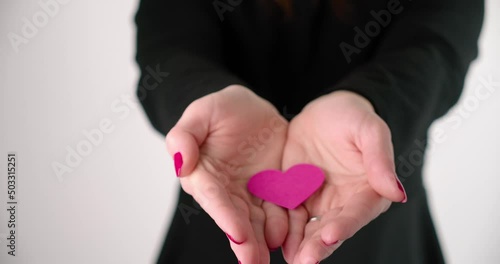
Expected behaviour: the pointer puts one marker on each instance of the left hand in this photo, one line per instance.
(221, 138)
(341, 133)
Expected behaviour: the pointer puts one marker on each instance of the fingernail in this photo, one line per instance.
(239, 262)
(178, 163)
(402, 189)
(331, 244)
(232, 239)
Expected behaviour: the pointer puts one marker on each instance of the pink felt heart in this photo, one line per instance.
(288, 189)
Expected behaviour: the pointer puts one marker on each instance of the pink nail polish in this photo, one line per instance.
(402, 189)
(239, 262)
(331, 244)
(178, 163)
(232, 239)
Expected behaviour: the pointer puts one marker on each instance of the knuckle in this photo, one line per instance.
(377, 127)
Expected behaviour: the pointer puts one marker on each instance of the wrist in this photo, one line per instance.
(353, 98)
(341, 99)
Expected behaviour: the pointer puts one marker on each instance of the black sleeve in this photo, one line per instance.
(178, 40)
(418, 69)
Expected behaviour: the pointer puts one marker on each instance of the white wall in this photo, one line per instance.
(115, 204)
(463, 162)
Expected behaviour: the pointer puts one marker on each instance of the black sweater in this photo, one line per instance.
(408, 57)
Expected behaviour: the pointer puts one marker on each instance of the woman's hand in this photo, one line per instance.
(342, 134)
(223, 139)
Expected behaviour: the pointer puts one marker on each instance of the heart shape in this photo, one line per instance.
(288, 189)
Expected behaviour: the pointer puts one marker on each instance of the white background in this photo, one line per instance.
(115, 205)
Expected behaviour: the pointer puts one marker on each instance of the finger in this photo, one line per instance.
(378, 158)
(184, 139)
(339, 224)
(315, 250)
(276, 227)
(314, 227)
(297, 220)
(254, 250)
(231, 216)
(357, 212)
(311, 228)
(258, 219)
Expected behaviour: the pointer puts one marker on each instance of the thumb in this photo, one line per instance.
(378, 159)
(184, 139)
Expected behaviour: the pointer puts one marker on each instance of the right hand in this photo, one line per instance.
(224, 139)
(342, 134)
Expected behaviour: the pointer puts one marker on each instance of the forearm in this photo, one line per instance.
(418, 69)
(180, 55)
